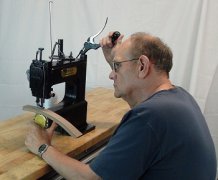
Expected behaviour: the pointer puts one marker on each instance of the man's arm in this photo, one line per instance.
(66, 166)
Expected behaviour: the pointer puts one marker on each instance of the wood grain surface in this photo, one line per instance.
(16, 162)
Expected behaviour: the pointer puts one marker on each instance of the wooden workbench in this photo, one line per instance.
(16, 162)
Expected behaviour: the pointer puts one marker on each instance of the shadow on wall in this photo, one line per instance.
(211, 110)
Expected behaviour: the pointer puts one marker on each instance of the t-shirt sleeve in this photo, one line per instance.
(130, 151)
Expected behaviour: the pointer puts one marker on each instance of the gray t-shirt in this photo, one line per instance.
(165, 137)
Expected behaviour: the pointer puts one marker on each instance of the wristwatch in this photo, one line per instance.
(42, 149)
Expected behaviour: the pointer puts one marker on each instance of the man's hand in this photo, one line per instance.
(38, 136)
(108, 47)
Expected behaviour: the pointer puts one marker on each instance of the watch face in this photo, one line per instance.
(42, 147)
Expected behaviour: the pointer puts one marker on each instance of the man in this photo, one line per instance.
(163, 136)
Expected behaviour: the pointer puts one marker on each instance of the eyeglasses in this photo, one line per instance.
(116, 64)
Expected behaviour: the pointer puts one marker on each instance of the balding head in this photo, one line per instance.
(155, 49)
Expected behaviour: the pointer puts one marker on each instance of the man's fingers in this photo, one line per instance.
(120, 38)
(106, 42)
(52, 128)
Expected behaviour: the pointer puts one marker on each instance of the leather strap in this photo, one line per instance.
(67, 126)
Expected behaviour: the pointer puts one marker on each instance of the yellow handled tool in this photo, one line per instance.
(41, 120)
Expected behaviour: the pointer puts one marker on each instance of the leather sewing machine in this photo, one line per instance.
(72, 71)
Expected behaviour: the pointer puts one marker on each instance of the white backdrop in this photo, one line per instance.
(188, 27)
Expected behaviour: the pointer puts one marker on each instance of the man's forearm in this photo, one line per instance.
(68, 167)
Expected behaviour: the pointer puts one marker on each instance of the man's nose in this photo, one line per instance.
(112, 75)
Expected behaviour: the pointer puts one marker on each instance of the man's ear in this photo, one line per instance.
(144, 66)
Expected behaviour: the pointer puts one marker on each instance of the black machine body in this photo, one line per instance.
(62, 69)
